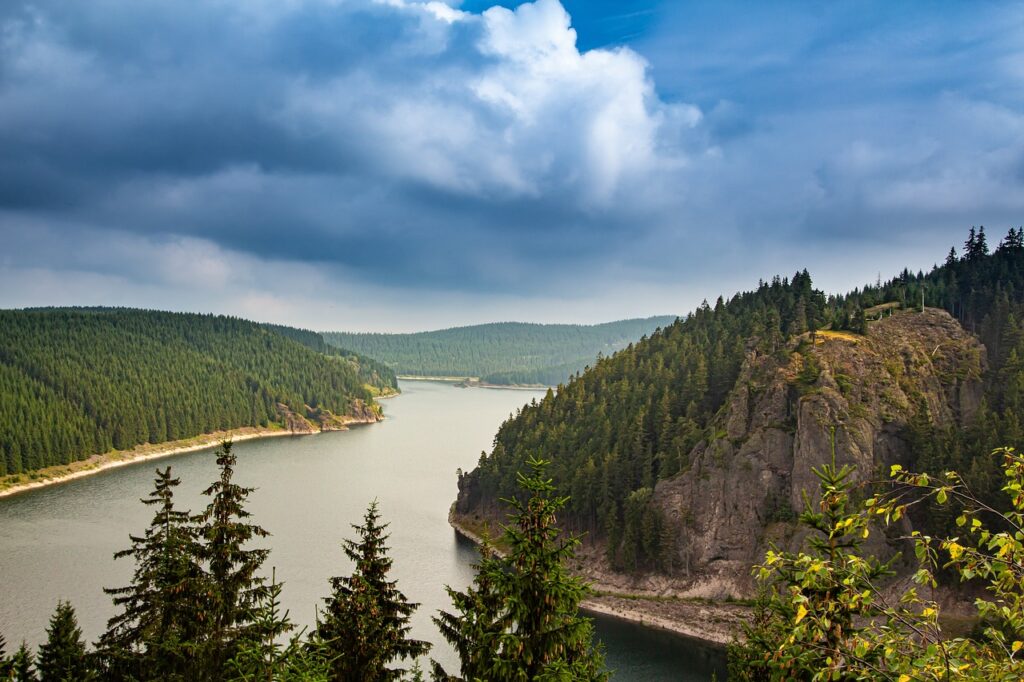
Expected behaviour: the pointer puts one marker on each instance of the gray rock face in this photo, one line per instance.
(745, 488)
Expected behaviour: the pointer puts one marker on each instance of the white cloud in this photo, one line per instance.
(527, 114)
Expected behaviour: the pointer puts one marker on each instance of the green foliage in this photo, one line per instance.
(261, 653)
(520, 620)
(21, 665)
(78, 382)
(365, 622)
(988, 547)
(778, 508)
(156, 633)
(371, 371)
(62, 657)
(476, 625)
(6, 667)
(501, 353)
(809, 621)
(810, 370)
(234, 587)
(823, 614)
(641, 538)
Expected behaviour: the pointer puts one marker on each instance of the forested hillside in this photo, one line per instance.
(371, 372)
(78, 382)
(680, 423)
(500, 353)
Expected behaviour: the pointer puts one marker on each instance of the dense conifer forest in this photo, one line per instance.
(632, 419)
(372, 372)
(78, 382)
(500, 353)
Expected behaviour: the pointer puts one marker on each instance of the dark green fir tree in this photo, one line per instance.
(234, 588)
(365, 622)
(21, 665)
(521, 620)
(156, 633)
(6, 664)
(476, 626)
(62, 657)
(263, 654)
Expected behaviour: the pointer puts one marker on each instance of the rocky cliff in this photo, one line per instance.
(318, 419)
(746, 485)
(744, 482)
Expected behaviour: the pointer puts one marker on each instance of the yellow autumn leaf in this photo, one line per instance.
(1016, 646)
(800, 613)
(904, 678)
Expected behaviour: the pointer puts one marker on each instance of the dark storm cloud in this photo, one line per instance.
(344, 133)
(464, 150)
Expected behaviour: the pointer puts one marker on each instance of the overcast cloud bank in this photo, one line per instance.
(402, 165)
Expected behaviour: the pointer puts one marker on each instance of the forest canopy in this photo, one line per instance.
(78, 382)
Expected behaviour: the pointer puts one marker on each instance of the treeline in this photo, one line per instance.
(78, 382)
(200, 607)
(500, 353)
(632, 419)
(371, 372)
(543, 376)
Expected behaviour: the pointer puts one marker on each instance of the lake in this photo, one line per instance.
(58, 542)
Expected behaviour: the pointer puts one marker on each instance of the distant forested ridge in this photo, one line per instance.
(372, 372)
(655, 443)
(500, 353)
(77, 382)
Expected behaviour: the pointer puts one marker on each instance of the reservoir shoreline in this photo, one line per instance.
(474, 382)
(710, 623)
(96, 464)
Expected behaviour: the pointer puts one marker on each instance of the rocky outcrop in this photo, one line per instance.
(788, 412)
(294, 422)
(745, 486)
(315, 420)
(359, 413)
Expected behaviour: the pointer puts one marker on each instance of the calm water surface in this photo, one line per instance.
(58, 542)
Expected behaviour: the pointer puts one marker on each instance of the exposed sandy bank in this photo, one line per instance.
(97, 463)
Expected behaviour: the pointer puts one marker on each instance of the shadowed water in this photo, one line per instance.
(58, 542)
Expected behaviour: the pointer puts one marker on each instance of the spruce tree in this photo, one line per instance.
(234, 587)
(6, 664)
(21, 665)
(63, 655)
(476, 626)
(520, 620)
(951, 258)
(365, 622)
(261, 655)
(158, 629)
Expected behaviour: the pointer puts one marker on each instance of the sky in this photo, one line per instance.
(399, 165)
